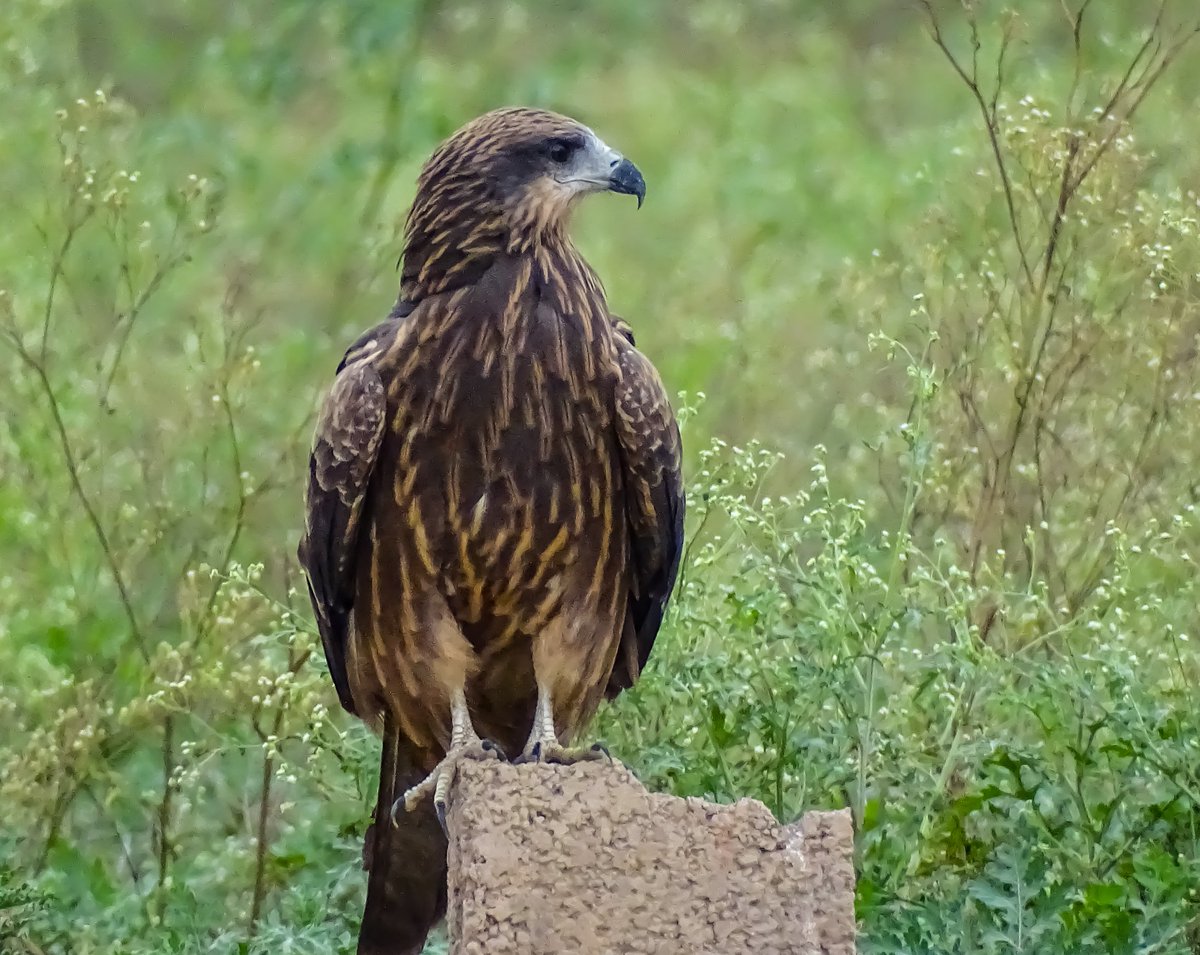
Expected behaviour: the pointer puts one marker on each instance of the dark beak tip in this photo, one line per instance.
(627, 179)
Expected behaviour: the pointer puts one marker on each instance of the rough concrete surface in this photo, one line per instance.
(582, 859)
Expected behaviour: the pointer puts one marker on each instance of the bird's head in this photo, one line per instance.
(510, 177)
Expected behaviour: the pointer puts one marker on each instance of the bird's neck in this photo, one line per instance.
(443, 257)
(567, 283)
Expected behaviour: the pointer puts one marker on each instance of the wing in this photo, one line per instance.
(348, 435)
(648, 438)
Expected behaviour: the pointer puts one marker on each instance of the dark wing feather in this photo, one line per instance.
(648, 438)
(348, 434)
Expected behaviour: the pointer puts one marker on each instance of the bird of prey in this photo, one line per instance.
(494, 513)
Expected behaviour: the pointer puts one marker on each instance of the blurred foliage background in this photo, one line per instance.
(926, 277)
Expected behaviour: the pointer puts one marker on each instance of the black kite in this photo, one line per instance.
(495, 506)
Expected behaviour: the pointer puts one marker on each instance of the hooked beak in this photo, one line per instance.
(627, 180)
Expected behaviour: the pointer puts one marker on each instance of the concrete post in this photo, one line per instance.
(583, 860)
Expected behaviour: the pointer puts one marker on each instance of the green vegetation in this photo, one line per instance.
(943, 499)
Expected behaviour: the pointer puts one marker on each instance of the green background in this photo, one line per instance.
(941, 502)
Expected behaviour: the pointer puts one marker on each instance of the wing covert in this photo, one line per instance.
(348, 434)
(651, 461)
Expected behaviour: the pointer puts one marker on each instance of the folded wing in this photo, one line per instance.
(648, 438)
(348, 435)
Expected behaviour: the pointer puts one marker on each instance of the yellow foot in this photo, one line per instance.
(552, 751)
(439, 781)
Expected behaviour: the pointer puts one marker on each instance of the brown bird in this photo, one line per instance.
(495, 503)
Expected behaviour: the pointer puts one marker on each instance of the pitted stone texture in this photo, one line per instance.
(549, 859)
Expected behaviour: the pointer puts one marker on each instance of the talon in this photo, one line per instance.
(491, 746)
(559, 755)
(532, 754)
(439, 781)
(543, 745)
(464, 744)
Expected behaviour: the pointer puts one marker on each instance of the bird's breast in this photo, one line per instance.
(502, 431)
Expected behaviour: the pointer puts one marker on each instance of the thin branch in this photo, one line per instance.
(261, 845)
(1144, 88)
(393, 111)
(990, 122)
(135, 309)
(165, 807)
(123, 840)
(72, 466)
(1076, 21)
(56, 272)
(1060, 211)
(239, 517)
(1125, 83)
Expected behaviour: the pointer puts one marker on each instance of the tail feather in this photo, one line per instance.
(406, 890)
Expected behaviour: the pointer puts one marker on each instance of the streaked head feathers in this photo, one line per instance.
(507, 181)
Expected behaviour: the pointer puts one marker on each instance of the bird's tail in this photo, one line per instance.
(406, 890)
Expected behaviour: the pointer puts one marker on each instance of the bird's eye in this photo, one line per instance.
(559, 151)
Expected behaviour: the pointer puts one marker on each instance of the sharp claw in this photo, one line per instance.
(491, 746)
(438, 782)
(552, 753)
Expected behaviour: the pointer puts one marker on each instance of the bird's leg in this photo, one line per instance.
(464, 744)
(543, 745)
